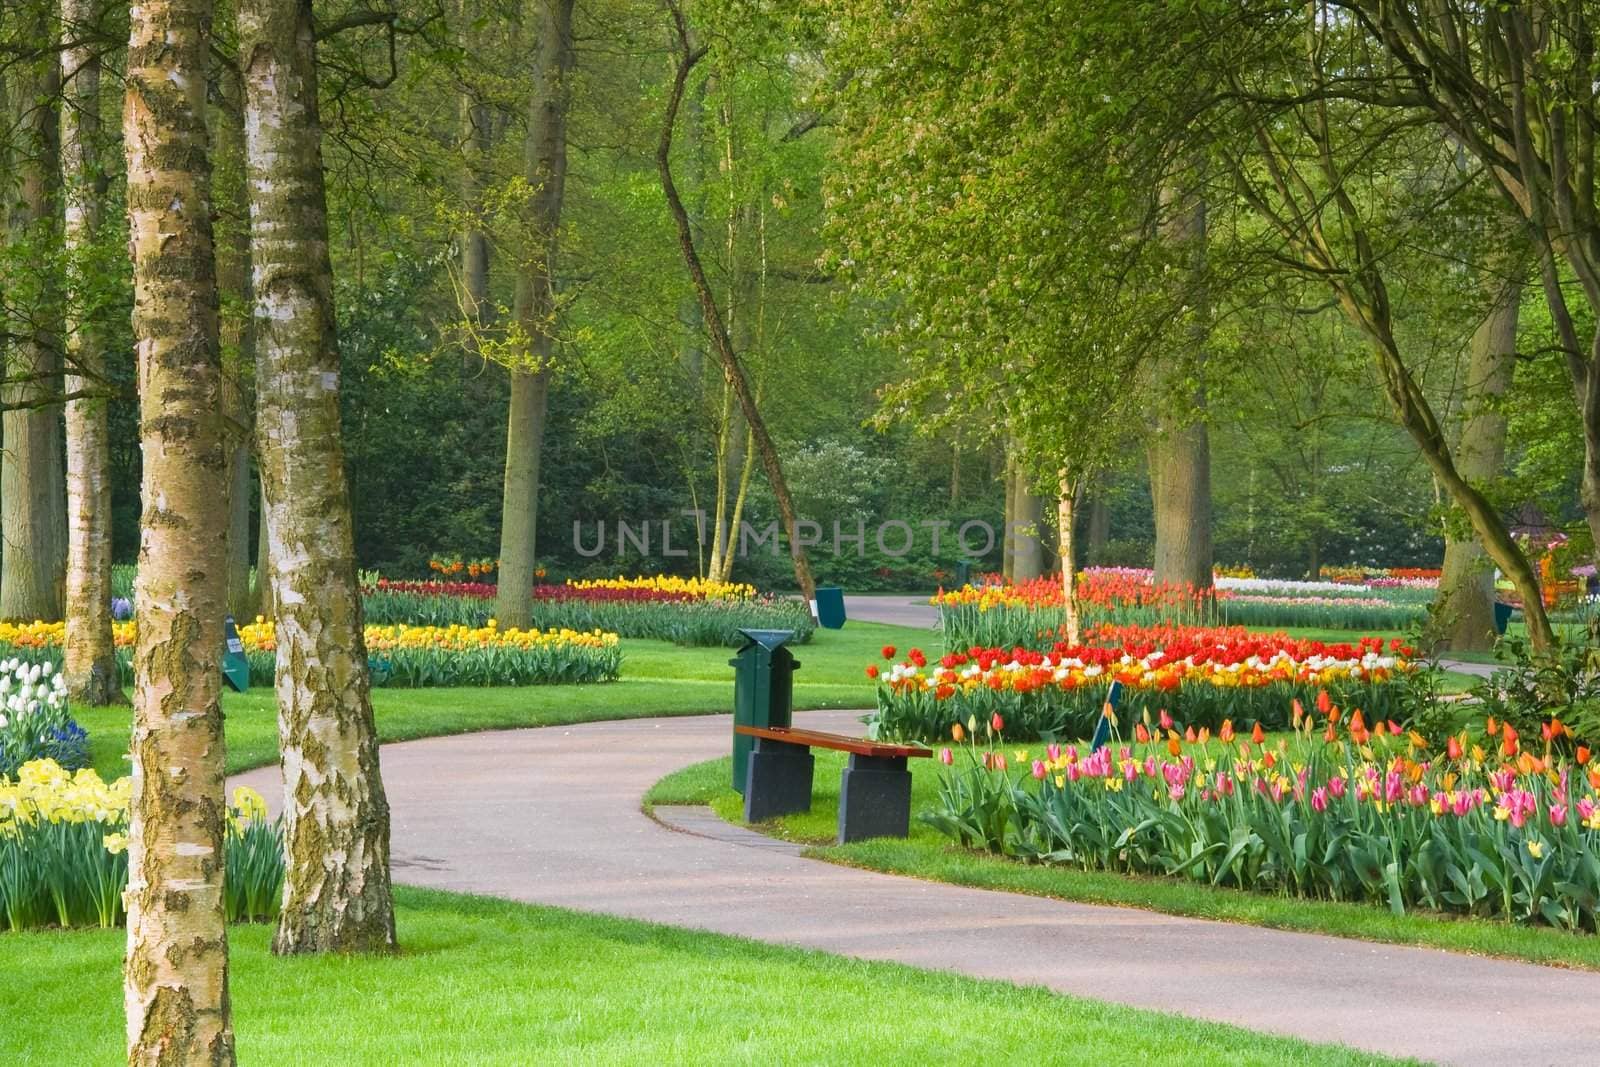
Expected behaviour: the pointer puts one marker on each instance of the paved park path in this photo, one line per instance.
(552, 816)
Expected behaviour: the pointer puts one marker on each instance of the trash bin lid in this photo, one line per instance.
(769, 639)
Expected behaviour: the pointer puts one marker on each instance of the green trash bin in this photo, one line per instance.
(830, 607)
(963, 572)
(235, 667)
(763, 689)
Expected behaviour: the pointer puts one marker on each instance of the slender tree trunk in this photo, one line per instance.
(176, 976)
(732, 367)
(546, 170)
(1008, 547)
(1066, 516)
(33, 501)
(336, 893)
(90, 654)
(1464, 607)
(237, 332)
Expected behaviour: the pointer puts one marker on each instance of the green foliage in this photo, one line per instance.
(1531, 689)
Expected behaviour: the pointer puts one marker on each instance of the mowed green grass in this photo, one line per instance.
(658, 678)
(929, 854)
(482, 981)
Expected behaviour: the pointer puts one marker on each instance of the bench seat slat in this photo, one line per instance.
(859, 746)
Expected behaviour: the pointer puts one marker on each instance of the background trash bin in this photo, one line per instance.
(830, 606)
(235, 667)
(763, 689)
(963, 572)
(1502, 617)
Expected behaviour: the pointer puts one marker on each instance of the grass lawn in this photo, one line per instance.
(929, 854)
(658, 678)
(491, 982)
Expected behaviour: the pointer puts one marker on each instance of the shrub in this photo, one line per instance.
(1529, 689)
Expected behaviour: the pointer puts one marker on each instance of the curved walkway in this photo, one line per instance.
(551, 816)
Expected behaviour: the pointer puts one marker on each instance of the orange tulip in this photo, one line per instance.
(1583, 755)
(1257, 734)
(1452, 748)
(1173, 747)
(1491, 727)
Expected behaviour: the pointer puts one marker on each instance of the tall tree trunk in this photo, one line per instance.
(90, 654)
(1464, 607)
(237, 332)
(1027, 554)
(336, 893)
(33, 501)
(1066, 516)
(176, 976)
(1180, 449)
(688, 57)
(1098, 522)
(1008, 547)
(545, 163)
(266, 603)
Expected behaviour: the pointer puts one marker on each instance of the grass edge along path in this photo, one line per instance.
(658, 679)
(478, 976)
(931, 857)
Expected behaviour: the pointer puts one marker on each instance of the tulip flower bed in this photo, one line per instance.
(685, 611)
(63, 858)
(1340, 812)
(1033, 614)
(1209, 677)
(401, 656)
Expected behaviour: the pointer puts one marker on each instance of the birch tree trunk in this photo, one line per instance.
(1464, 607)
(1066, 516)
(90, 654)
(33, 501)
(336, 895)
(176, 976)
(546, 171)
(238, 337)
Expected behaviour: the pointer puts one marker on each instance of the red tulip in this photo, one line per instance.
(997, 722)
(888, 651)
(1324, 701)
(872, 670)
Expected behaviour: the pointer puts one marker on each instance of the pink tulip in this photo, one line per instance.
(1319, 799)
(1558, 815)
(1336, 787)
(946, 757)
(1053, 751)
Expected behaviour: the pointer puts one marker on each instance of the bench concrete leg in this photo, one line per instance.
(874, 799)
(777, 780)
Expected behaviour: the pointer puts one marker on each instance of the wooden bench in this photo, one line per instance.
(874, 791)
